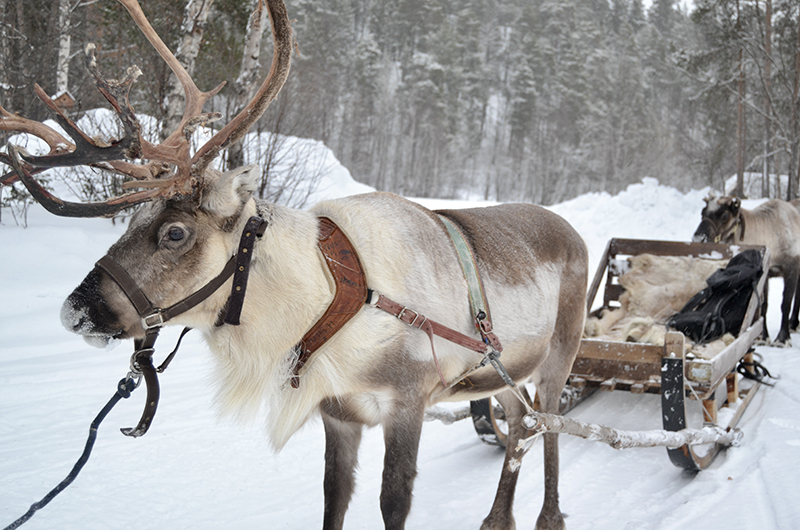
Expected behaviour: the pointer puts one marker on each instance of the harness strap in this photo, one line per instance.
(430, 327)
(153, 318)
(351, 292)
(139, 300)
(477, 294)
(142, 362)
(416, 320)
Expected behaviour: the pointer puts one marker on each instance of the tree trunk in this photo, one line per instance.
(245, 85)
(64, 43)
(741, 131)
(765, 191)
(5, 49)
(791, 191)
(194, 21)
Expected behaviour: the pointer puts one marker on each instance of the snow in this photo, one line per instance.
(193, 470)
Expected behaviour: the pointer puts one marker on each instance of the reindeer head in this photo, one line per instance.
(180, 239)
(720, 218)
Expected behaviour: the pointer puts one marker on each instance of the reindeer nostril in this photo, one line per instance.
(71, 318)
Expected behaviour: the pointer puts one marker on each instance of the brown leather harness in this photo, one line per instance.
(351, 294)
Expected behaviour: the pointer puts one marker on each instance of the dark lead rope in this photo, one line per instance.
(124, 389)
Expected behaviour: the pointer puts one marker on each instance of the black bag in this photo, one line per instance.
(720, 307)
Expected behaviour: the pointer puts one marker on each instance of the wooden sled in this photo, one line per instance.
(669, 370)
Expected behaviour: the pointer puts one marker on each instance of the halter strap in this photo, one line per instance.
(237, 266)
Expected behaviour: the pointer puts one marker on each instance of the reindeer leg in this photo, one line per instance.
(501, 515)
(794, 320)
(789, 288)
(401, 433)
(550, 379)
(550, 518)
(342, 439)
(765, 297)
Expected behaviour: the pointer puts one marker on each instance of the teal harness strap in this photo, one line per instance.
(477, 295)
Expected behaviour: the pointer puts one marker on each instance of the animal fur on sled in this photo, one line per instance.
(656, 287)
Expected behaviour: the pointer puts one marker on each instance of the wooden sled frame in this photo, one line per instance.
(668, 370)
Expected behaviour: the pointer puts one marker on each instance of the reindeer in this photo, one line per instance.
(379, 367)
(774, 224)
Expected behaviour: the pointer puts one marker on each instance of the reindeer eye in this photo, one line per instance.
(176, 233)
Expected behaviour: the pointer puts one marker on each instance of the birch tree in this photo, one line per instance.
(5, 51)
(64, 44)
(741, 128)
(767, 97)
(245, 85)
(194, 22)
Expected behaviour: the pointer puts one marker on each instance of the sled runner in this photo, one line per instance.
(628, 345)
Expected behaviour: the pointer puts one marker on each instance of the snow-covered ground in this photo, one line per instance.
(195, 471)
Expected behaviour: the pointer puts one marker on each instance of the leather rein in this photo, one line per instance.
(351, 294)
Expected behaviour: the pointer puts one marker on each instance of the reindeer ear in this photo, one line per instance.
(736, 203)
(224, 195)
(244, 180)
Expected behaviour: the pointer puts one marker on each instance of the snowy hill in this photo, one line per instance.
(193, 471)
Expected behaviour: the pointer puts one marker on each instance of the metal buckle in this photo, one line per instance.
(493, 356)
(153, 320)
(135, 370)
(403, 312)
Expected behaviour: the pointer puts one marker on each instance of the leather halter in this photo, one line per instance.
(739, 223)
(154, 318)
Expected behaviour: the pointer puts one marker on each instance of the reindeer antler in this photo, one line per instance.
(170, 169)
(10, 122)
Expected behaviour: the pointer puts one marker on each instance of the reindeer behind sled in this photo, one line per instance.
(774, 224)
(281, 295)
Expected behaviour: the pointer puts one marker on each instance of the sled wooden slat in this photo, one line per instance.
(634, 247)
(709, 374)
(627, 362)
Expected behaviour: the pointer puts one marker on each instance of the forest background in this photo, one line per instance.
(533, 100)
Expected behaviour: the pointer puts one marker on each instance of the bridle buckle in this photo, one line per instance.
(153, 320)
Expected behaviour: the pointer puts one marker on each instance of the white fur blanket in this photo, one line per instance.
(656, 287)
